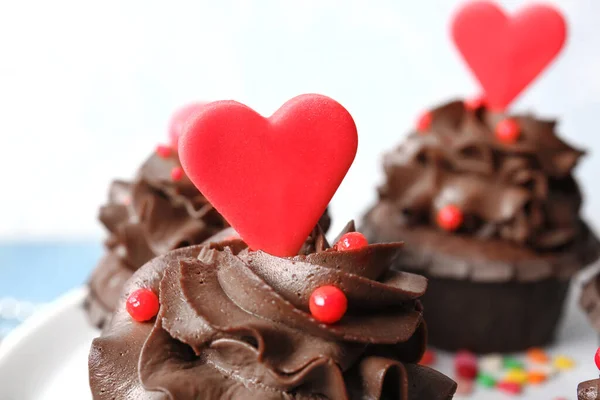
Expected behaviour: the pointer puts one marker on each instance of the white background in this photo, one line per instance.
(86, 88)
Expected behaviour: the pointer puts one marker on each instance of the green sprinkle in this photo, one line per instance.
(486, 380)
(512, 363)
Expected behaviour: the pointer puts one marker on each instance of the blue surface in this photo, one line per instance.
(40, 272)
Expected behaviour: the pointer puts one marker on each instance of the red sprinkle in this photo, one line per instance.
(328, 304)
(465, 365)
(428, 358)
(597, 358)
(142, 305)
(351, 241)
(450, 217)
(508, 131)
(177, 173)
(474, 104)
(163, 151)
(424, 122)
(509, 387)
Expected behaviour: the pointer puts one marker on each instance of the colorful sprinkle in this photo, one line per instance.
(424, 122)
(509, 387)
(511, 363)
(536, 377)
(351, 241)
(163, 151)
(486, 380)
(563, 363)
(450, 217)
(537, 356)
(428, 358)
(328, 304)
(493, 363)
(177, 174)
(142, 305)
(516, 375)
(465, 365)
(508, 131)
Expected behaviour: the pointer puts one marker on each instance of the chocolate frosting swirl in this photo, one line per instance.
(523, 193)
(235, 324)
(145, 218)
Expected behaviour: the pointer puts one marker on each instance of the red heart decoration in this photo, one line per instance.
(271, 178)
(506, 53)
(179, 119)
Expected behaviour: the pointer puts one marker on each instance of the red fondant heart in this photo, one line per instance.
(271, 178)
(505, 52)
(179, 119)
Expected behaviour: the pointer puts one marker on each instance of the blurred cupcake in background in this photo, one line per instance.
(485, 200)
(489, 210)
(159, 211)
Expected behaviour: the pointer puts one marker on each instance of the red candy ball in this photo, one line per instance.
(450, 217)
(424, 122)
(428, 358)
(163, 151)
(474, 104)
(508, 131)
(465, 365)
(328, 304)
(142, 305)
(351, 241)
(597, 358)
(177, 173)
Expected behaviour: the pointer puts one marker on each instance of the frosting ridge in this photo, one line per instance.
(522, 192)
(235, 323)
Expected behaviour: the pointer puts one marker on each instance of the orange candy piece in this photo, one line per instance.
(536, 377)
(537, 356)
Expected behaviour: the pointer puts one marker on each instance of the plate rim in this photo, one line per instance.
(44, 315)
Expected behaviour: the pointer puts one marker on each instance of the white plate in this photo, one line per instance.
(46, 357)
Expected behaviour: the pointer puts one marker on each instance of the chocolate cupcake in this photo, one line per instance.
(159, 211)
(236, 324)
(489, 211)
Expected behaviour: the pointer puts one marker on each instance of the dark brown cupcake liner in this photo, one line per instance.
(484, 296)
(493, 317)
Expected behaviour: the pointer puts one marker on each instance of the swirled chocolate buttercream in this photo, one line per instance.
(235, 324)
(519, 202)
(146, 218)
(522, 192)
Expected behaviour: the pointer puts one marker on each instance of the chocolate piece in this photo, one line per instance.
(521, 240)
(234, 324)
(588, 390)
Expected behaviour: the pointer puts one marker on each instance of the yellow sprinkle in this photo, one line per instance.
(563, 363)
(516, 375)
